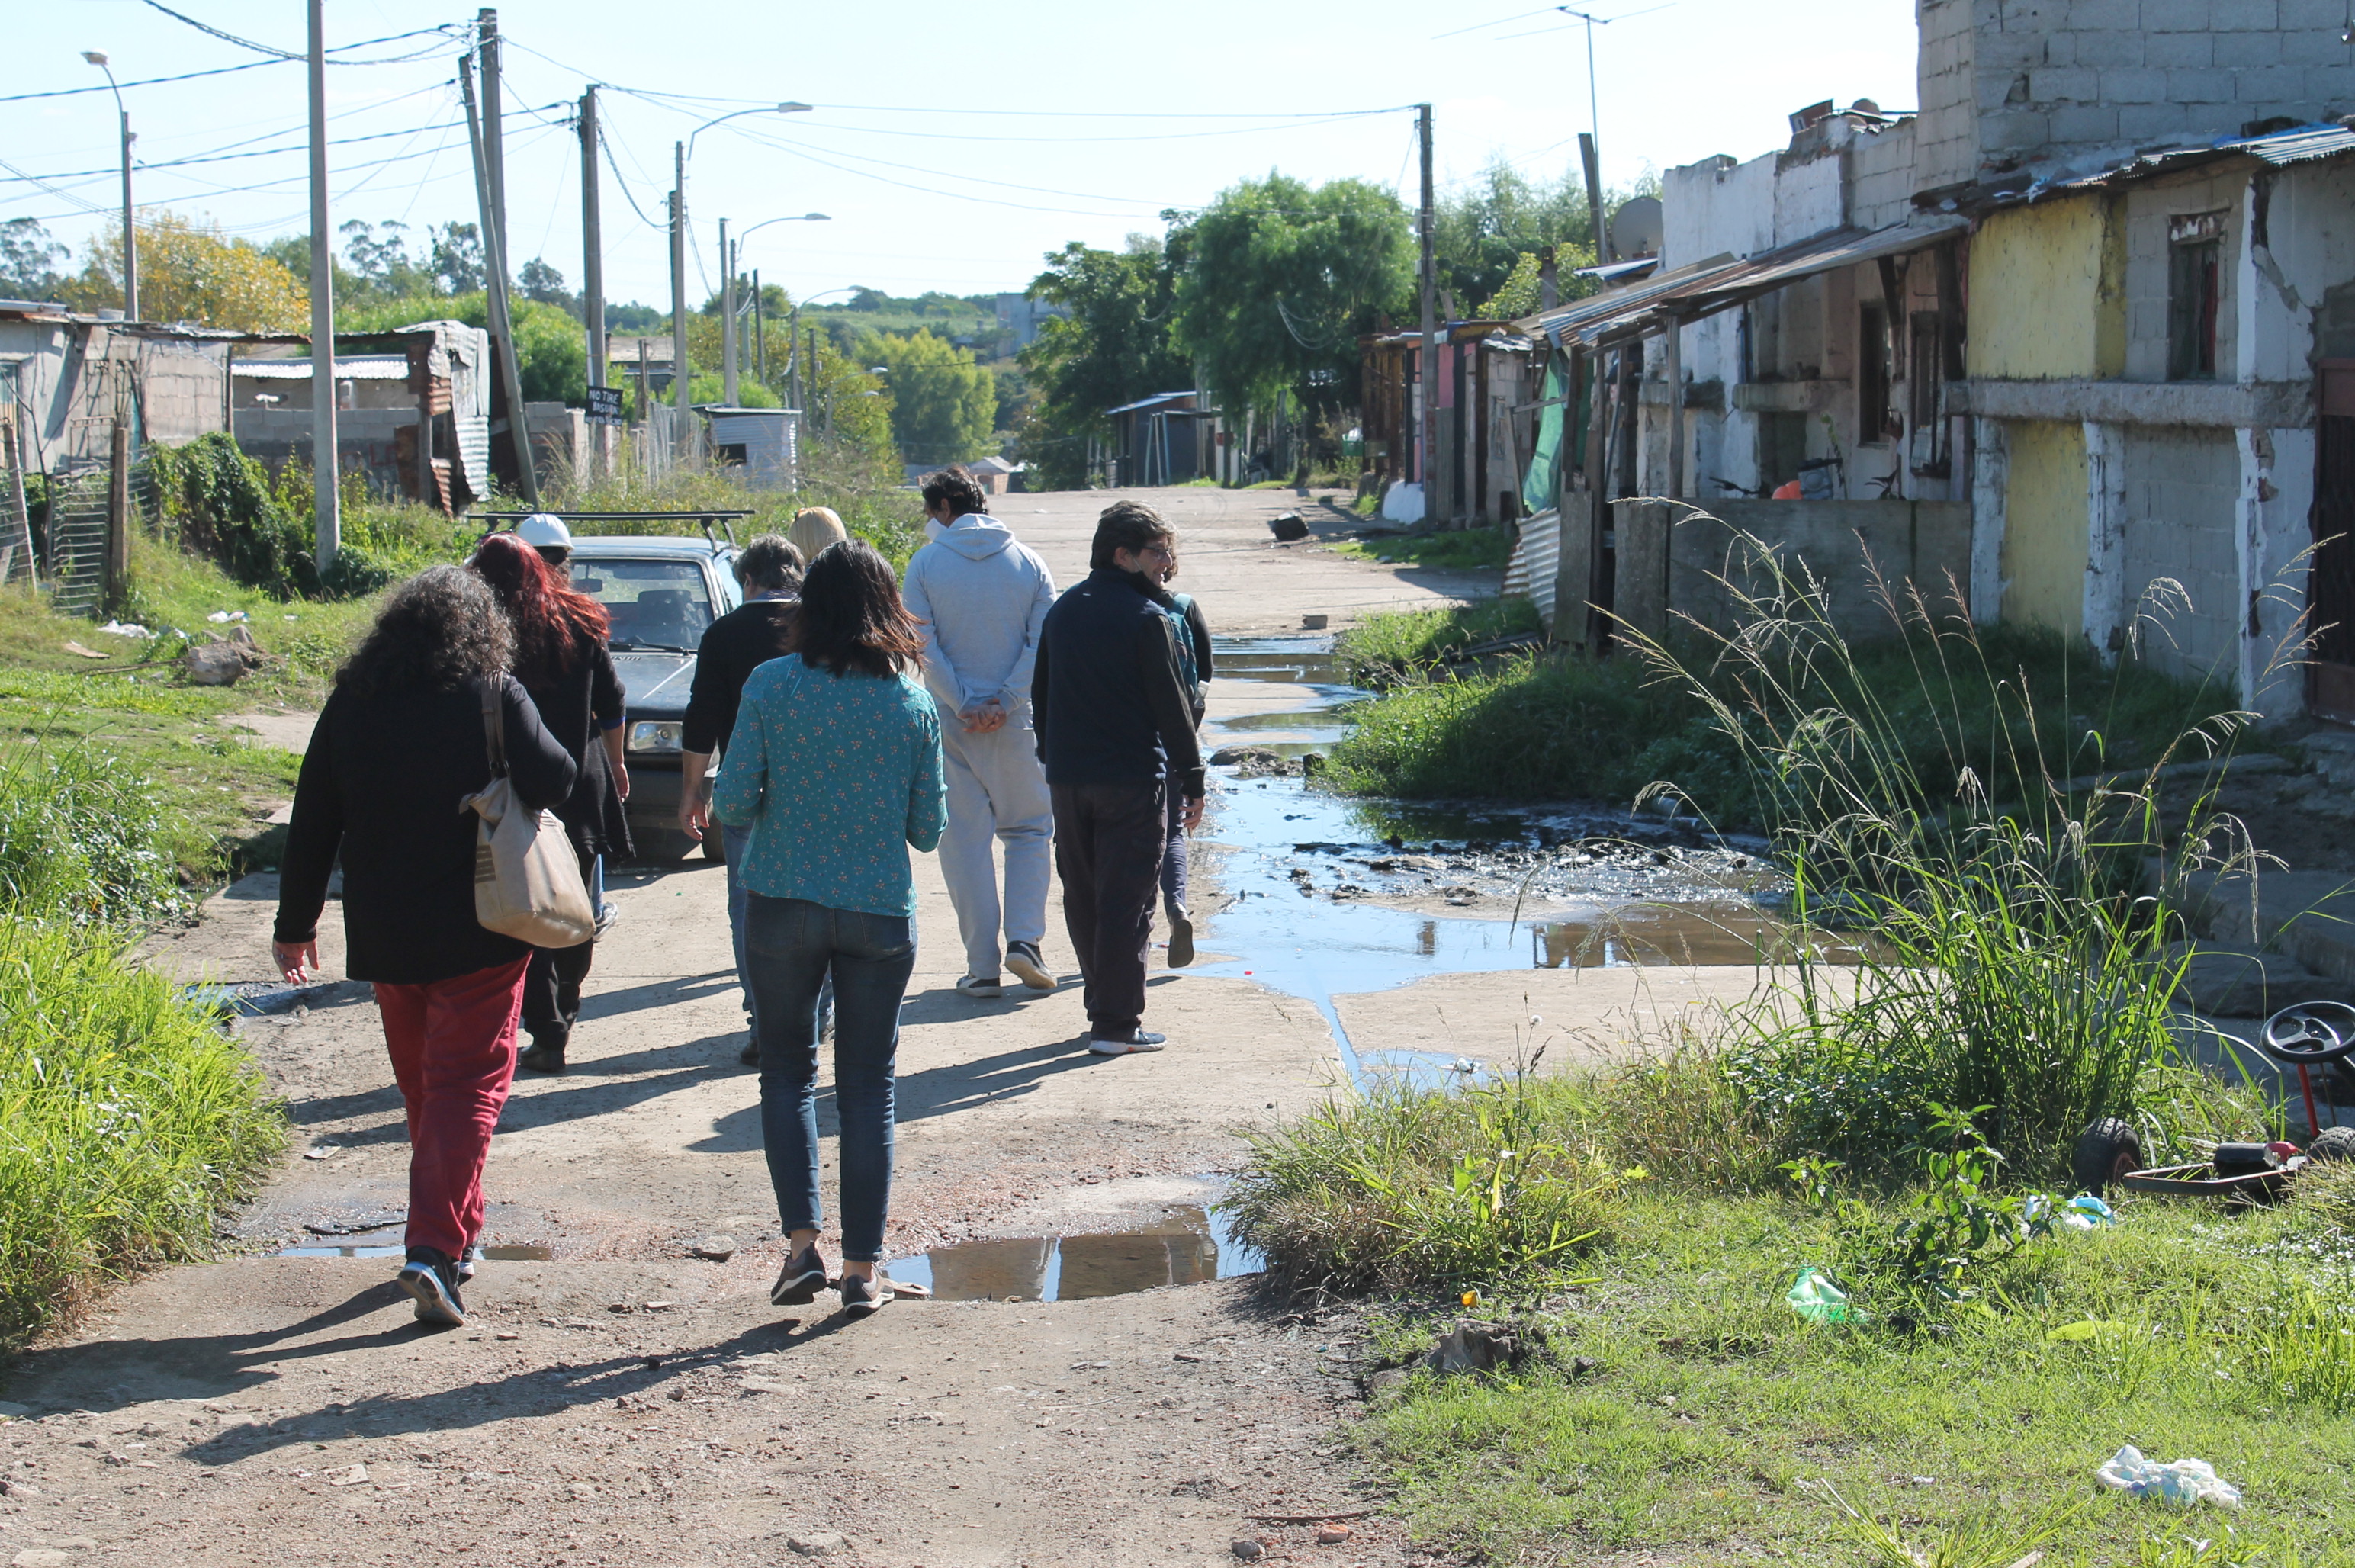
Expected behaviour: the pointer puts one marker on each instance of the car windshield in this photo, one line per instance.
(655, 604)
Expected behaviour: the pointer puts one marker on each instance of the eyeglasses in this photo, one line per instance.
(1163, 551)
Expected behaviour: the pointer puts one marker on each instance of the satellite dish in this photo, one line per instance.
(1635, 228)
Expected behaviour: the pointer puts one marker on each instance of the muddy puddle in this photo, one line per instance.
(1318, 895)
(1186, 1246)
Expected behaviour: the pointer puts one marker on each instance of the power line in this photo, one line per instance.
(441, 32)
(255, 153)
(225, 38)
(53, 190)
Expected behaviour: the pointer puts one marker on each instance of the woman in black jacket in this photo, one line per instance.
(561, 658)
(398, 746)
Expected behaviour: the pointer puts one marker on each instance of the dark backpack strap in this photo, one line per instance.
(495, 723)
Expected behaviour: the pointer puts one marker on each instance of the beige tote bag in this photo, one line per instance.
(527, 879)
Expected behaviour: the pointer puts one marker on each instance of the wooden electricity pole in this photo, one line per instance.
(1428, 419)
(593, 267)
(494, 272)
(326, 494)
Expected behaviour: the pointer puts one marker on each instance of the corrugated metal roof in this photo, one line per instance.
(1154, 402)
(1613, 271)
(2299, 144)
(353, 367)
(1532, 572)
(1572, 319)
(1690, 292)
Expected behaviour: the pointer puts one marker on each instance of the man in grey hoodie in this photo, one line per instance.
(981, 595)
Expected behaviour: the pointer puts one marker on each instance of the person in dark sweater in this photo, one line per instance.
(1116, 728)
(399, 746)
(767, 626)
(562, 660)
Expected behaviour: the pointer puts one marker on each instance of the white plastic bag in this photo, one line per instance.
(2186, 1481)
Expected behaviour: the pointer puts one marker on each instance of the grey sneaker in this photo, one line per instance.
(861, 1297)
(1029, 968)
(431, 1278)
(986, 988)
(1127, 1044)
(803, 1277)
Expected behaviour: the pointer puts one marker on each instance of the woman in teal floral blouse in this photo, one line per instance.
(835, 767)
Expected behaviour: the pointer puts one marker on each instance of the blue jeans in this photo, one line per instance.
(733, 842)
(794, 947)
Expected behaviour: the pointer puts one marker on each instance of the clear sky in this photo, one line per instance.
(953, 144)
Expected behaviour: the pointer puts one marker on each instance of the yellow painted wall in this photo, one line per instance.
(2044, 525)
(2047, 292)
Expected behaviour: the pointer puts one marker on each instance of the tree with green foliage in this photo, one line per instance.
(553, 355)
(1112, 347)
(28, 260)
(943, 407)
(1284, 278)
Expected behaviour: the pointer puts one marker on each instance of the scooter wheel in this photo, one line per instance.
(2105, 1151)
(2332, 1143)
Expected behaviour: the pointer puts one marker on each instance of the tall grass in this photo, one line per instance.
(82, 840)
(1394, 644)
(2017, 970)
(126, 1121)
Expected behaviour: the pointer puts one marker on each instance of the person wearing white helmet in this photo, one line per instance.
(546, 533)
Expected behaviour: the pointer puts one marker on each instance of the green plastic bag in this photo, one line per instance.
(1817, 1298)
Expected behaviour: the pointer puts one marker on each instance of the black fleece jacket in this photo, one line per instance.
(1108, 698)
(381, 784)
(734, 646)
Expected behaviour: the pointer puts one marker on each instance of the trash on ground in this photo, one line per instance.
(1816, 1298)
(74, 647)
(1287, 526)
(124, 629)
(223, 617)
(1472, 1347)
(2186, 1481)
(351, 1227)
(2082, 1212)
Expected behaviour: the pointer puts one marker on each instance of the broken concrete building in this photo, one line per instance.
(2071, 336)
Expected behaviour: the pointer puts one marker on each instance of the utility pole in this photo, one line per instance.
(593, 266)
(727, 319)
(678, 287)
(795, 380)
(326, 494)
(129, 229)
(760, 339)
(1429, 356)
(1594, 162)
(495, 270)
(486, 27)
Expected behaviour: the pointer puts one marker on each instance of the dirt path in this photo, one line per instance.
(625, 1402)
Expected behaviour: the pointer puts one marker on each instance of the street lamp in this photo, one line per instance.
(727, 259)
(129, 232)
(680, 152)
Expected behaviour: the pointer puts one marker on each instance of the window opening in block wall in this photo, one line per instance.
(2195, 255)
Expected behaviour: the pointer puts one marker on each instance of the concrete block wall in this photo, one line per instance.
(1882, 178)
(2148, 207)
(2004, 82)
(2182, 486)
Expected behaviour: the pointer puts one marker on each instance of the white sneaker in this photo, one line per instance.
(974, 986)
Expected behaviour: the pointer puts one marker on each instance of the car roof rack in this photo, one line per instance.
(706, 516)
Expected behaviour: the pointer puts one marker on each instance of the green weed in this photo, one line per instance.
(1394, 644)
(82, 840)
(1466, 550)
(126, 1121)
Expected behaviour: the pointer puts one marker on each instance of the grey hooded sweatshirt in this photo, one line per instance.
(982, 595)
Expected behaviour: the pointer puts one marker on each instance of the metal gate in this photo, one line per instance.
(76, 537)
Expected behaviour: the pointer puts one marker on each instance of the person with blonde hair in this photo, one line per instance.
(814, 528)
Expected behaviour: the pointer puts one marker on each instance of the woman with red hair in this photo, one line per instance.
(562, 661)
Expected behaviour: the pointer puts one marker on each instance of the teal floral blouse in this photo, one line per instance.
(837, 777)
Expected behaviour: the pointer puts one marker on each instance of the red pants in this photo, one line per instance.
(453, 1055)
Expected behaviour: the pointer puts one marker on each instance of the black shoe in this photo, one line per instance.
(1029, 968)
(431, 1278)
(544, 1056)
(1181, 939)
(862, 1297)
(469, 1260)
(803, 1277)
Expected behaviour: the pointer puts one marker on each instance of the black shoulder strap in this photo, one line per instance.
(495, 723)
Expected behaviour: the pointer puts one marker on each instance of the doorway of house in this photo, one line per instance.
(2331, 580)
